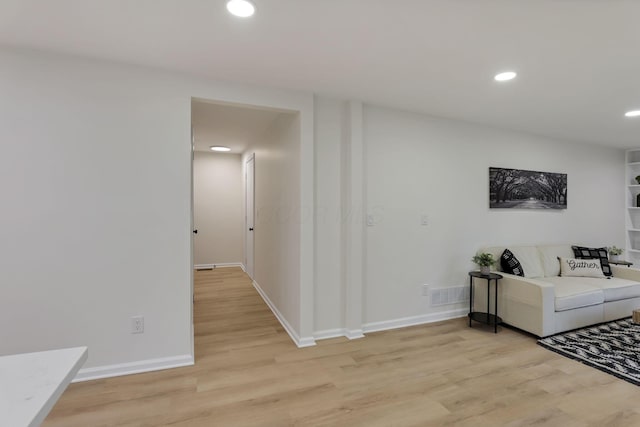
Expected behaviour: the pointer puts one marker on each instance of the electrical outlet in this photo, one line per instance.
(425, 290)
(424, 220)
(371, 221)
(137, 325)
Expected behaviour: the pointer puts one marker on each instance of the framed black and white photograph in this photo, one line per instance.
(522, 189)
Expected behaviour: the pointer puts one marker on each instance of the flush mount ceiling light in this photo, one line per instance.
(219, 148)
(241, 8)
(505, 76)
(633, 113)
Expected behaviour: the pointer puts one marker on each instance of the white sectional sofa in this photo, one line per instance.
(543, 303)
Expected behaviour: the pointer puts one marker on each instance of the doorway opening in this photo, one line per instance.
(226, 187)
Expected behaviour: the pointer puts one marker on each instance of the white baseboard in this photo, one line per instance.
(414, 320)
(133, 368)
(354, 334)
(306, 342)
(299, 341)
(220, 265)
(338, 332)
(330, 333)
(389, 324)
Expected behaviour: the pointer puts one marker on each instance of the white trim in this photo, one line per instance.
(338, 332)
(299, 341)
(306, 342)
(414, 320)
(133, 367)
(354, 334)
(220, 265)
(330, 333)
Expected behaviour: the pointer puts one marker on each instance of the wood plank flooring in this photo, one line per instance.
(249, 373)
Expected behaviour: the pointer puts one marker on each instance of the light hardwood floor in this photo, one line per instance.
(249, 373)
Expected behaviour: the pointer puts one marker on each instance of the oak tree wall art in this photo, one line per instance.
(522, 189)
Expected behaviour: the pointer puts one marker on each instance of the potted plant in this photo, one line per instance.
(615, 253)
(484, 260)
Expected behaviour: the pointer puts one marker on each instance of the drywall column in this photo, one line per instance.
(353, 223)
(330, 116)
(307, 227)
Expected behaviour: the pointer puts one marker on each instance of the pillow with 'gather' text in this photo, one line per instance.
(582, 252)
(572, 267)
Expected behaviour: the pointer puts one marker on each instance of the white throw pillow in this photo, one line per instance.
(571, 267)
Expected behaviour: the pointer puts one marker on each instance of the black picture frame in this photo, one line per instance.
(524, 189)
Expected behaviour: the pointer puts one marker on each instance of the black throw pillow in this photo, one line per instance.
(582, 252)
(510, 263)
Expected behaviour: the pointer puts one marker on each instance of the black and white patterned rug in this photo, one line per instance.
(612, 347)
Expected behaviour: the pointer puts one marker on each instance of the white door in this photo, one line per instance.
(250, 181)
(194, 231)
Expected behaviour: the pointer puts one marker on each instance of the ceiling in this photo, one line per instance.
(577, 60)
(227, 125)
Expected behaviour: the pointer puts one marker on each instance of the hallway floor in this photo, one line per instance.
(249, 373)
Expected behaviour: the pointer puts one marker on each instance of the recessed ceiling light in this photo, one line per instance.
(241, 8)
(507, 75)
(633, 113)
(219, 148)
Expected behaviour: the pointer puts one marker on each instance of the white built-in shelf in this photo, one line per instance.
(632, 169)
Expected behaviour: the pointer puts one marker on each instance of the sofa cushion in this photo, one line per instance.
(572, 267)
(575, 292)
(591, 253)
(616, 289)
(529, 258)
(549, 256)
(510, 263)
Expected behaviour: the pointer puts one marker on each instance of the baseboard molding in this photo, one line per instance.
(133, 368)
(220, 265)
(299, 341)
(354, 334)
(339, 332)
(389, 324)
(330, 333)
(414, 320)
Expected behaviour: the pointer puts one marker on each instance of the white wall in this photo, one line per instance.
(278, 217)
(421, 165)
(95, 222)
(218, 210)
(96, 208)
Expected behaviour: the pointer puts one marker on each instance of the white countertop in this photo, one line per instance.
(32, 383)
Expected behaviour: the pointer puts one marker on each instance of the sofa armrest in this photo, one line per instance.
(528, 304)
(626, 272)
(529, 291)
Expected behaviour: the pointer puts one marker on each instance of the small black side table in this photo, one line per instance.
(627, 263)
(487, 318)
